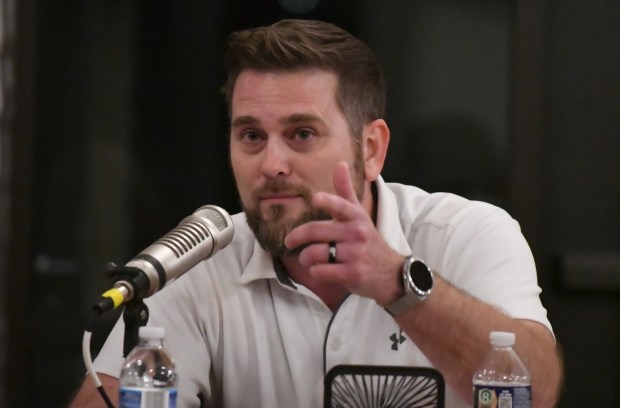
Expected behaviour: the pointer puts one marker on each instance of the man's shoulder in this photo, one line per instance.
(442, 209)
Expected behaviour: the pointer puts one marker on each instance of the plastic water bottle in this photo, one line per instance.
(503, 380)
(148, 377)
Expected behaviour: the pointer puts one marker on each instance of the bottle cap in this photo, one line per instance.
(502, 339)
(151, 332)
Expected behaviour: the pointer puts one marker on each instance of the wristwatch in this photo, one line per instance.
(417, 285)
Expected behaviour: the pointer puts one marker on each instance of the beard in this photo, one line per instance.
(271, 231)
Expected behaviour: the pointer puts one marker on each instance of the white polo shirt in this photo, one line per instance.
(242, 334)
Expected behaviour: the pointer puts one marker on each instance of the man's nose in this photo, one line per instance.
(276, 158)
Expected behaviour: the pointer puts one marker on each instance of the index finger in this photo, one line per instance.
(343, 203)
(343, 183)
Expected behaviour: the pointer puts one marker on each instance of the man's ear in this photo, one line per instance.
(375, 137)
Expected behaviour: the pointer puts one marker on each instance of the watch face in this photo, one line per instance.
(421, 276)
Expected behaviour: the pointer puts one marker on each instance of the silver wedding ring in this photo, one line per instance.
(332, 252)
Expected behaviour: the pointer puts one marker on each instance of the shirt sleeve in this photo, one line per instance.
(496, 265)
(480, 249)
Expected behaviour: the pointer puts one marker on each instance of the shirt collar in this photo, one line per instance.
(260, 265)
(388, 220)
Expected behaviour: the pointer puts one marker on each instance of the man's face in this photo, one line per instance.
(287, 134)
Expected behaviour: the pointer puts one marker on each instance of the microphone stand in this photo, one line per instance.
(136, 314)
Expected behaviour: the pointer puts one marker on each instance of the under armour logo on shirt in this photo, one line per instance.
(397, 339)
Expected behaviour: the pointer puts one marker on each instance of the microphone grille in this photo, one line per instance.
(184, 237)
(212, 214)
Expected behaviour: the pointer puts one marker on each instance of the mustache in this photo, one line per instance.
(282, 187)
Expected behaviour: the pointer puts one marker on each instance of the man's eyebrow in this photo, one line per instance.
(301, 117)
(244, 120)
(294, 118)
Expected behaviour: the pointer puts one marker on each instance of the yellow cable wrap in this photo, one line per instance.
(116, 295)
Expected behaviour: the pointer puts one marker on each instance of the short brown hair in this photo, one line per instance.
(290, 45)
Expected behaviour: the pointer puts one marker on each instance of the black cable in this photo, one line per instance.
(105, 397)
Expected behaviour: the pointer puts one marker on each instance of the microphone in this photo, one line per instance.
(196, 238)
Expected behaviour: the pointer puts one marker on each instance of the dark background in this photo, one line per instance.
(113, 130)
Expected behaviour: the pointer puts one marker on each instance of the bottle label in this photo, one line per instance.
(132, 397)
(502, 396)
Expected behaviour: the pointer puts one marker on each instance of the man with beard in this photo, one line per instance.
(330, 263)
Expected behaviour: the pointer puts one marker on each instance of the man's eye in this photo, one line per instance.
(304, 134)
(252, 136)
